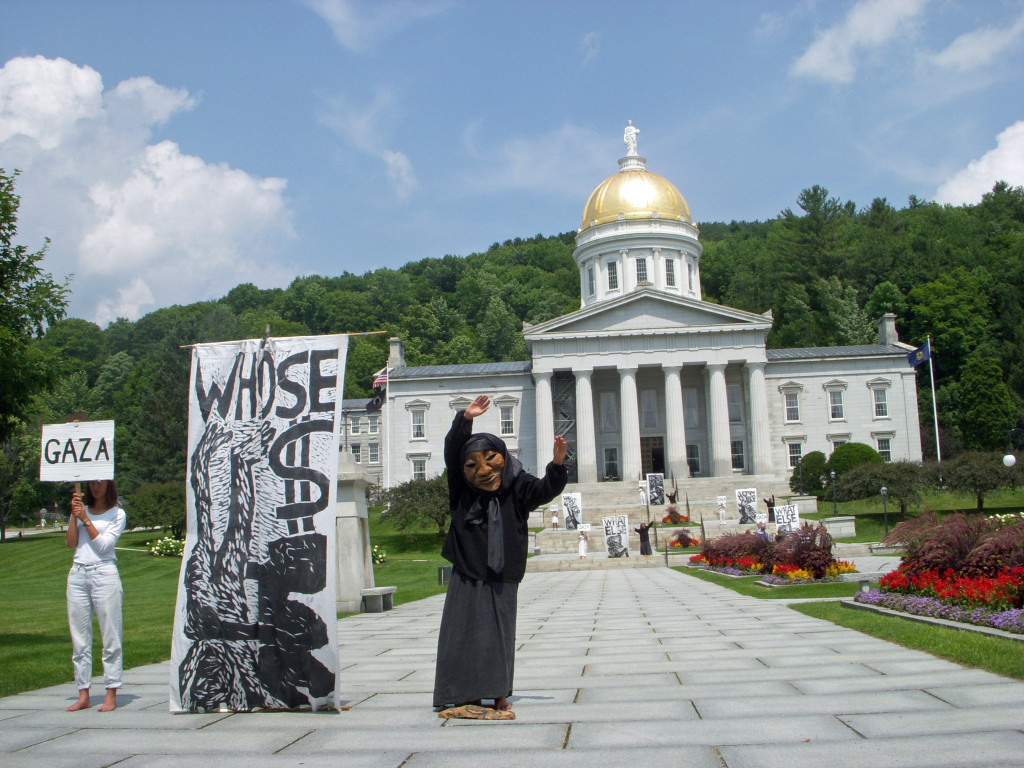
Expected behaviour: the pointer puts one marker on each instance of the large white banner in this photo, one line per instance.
(746, 503)
(255, 623)
(572, 508)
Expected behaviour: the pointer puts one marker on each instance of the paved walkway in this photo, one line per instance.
(644, 666)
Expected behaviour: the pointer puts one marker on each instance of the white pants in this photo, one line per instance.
(95, 587)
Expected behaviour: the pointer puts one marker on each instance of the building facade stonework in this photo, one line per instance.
(648, 377)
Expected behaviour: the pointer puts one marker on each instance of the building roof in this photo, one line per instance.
(472, 369)
(859, 350)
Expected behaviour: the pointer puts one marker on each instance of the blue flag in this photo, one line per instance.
(920, 354)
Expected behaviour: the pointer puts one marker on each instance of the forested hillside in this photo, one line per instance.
(827, 270)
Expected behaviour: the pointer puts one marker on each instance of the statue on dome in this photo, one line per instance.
(629, 139)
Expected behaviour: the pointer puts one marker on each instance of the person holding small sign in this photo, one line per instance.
(94, 585)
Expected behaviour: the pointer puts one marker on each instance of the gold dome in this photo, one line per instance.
(635, 194)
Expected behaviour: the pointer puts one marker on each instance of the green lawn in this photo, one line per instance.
(35, 645)
(871, 515)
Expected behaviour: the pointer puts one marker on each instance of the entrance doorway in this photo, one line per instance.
(652, 455)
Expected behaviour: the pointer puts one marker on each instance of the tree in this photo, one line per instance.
(418, 502)
(29, 301)
(903, 481)
(159, 505)
(977, 473)
(985, 410)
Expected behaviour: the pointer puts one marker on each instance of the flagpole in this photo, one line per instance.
(935, 410)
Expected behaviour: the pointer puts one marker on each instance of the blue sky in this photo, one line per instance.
(171, 149)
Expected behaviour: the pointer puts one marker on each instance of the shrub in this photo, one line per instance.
(972, 545)
(850, 455)
(812, 470)
(158, 505)
(168, 547)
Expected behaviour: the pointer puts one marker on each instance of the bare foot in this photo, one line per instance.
(82, 703)
(501, 704)
(109, 701)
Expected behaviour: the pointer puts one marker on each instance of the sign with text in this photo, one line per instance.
(255, 624)
(616, 535)
(746, 503)
(77, 451)
(656, 489)
(787, 517)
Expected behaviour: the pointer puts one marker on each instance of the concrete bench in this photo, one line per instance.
(378, 599)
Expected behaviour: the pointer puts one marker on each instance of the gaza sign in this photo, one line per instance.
(77, 451)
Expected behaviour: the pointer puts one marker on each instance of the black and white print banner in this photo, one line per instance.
(255, 623)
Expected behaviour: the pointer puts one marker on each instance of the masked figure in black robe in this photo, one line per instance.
(490, 500)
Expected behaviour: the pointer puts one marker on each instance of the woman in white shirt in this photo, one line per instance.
(95, 585)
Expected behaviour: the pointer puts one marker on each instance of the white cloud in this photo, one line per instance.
(870, 24)
(138, 223)
(359, 25)
(980, 47)
(1004, 163)
(364, 129)
(590, 46)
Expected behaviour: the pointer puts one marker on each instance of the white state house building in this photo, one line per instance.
(648, 377)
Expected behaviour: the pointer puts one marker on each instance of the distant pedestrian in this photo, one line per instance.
(583, 544)
(645, 538)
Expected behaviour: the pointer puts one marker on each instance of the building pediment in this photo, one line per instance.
(647, 311)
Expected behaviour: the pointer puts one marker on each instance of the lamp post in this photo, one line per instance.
(800, 467)
(835, 505)
(885, 508)
(1009, 459)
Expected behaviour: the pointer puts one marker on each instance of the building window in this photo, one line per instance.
(507, 422)
(837, 443)
(737, 454)
(691, 413)
(881, 404)
(419, 427)
(609, 413)
(885, 448)
(591, 287)
(355, 453)
(613, 276)
(795, 454)
(792, 406)
(353, 425)
(373, 425)
(670, 273)
(611, 463)
(373, 453)
(693, 459)
(419, 469)
(641, 271)
(649, 408)
(689, 275)
(735, 403)
(835, 404)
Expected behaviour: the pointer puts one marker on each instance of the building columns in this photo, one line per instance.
(675, 424)
(586, 439)
(721, 446)
(760, 448)
(630, 425)
(545, 418)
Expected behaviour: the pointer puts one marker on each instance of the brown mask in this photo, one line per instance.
(483, 469)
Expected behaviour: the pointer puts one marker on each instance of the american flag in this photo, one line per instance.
(380, 378)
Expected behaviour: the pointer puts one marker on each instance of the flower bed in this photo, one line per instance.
(962, 568)
(1011, 620)
(803, 555)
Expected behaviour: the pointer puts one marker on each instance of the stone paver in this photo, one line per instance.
(631, 665)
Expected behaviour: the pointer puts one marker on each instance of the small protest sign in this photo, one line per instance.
(77, 451)
(656, 489)
(746, 502)
(787, 518)
(616, 535)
